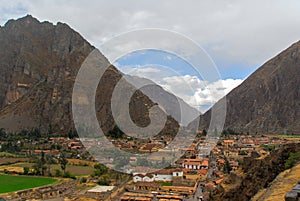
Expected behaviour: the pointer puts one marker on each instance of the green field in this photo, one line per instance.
(9, 183)
(165, 183)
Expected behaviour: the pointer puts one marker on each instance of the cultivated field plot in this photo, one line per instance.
(10, 183)
(76, 170)
(4, 161)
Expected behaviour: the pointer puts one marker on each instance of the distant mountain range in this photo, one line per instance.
(39, 62)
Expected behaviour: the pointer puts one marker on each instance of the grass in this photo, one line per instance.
(165, 183)
(289, 136)
(10, 183)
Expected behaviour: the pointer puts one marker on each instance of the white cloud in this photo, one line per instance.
(214, 91)
(197, 93)
(140, 71)
(11, 9)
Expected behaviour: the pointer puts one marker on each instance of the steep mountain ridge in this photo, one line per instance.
(268, 101)
(39, 63)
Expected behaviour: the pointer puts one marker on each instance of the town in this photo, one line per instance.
(79, 176)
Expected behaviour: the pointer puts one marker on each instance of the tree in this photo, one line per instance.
(50, 161)
(50, 130)
(43, 163)
(291, 161)
(2, 133)
(57, 173)
(116, 132)
(26, 170)
(204, 132)
(72, 134)
(104, 180)
(36, 133)
(225, 132)
(36, 169)
(39, 167)
(100, 169)
(228, 167)
(63, 162)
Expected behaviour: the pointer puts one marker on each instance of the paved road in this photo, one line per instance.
(197, 194)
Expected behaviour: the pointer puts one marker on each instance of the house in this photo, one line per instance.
(230, 153)
(164, 175)
(202, 174)
(149, 148)
(228, 143)
(234, 165)
(192, 164)
(217, 182)
(143, 178)
(204, 164)
(210, 186)
(132, 160)
(177, 173)
(262, 152)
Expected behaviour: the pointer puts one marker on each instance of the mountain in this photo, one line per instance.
(39, 62)
(268, 101)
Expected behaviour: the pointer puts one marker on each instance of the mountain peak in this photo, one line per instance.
(28, 19)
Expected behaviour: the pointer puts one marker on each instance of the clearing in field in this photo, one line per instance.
(10, 183)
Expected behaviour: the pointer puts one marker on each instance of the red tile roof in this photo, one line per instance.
(205, 163)
(202, 171)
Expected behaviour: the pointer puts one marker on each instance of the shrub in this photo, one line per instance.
(26, 170)
(83, 180)
(291, 161)
(57, 173)
(103, 181)
(67, 174)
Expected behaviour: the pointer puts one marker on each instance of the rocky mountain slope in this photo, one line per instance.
(268, 101)
(38, 63)
(255, 174)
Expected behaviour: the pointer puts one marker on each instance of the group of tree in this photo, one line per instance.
(116, 133)
(227, 168)
(292, 160)
(43, 164)
(100, 170)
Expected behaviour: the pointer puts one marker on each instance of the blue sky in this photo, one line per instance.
(160, 58)
(176, 76)
(141, 58)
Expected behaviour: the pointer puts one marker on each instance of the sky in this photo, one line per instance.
(239, 36)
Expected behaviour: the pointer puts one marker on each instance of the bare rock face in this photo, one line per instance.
(268, 101)
(38, 65)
